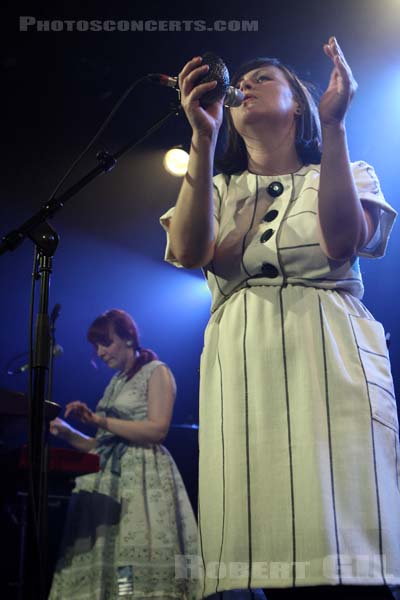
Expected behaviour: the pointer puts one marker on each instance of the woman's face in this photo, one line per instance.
(267, 93)
(117, 354)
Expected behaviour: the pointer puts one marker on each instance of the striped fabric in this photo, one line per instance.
(299, 449)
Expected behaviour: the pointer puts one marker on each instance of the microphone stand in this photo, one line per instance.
(34, 558)
(32, 584)
(107, 162)
(53, 317)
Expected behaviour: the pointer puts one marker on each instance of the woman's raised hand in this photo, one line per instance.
(342, 86)
(204, 121)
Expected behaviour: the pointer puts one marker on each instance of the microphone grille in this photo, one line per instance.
(217, 71)
(234, 97)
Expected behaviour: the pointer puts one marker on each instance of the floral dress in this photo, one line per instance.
(127, 525)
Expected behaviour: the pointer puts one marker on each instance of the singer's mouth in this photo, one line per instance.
(248, 97)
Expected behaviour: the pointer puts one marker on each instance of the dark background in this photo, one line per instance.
(58, 87)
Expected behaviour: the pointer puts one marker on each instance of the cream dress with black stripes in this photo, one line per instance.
(299, 450)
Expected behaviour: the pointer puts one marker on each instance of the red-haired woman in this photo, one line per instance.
(127, 523)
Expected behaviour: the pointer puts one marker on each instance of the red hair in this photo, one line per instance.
(121, 323)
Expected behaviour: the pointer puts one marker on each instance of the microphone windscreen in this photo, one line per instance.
(217, 71)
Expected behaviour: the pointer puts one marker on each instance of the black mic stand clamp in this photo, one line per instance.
(106, 160)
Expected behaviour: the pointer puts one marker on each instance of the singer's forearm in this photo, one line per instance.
(342, 220)
(192, 229)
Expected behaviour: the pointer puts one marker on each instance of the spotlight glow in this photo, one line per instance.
(176, 161)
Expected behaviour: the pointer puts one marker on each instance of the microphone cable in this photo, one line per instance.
(102, 127)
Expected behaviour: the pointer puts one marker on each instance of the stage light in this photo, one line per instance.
(176, 161)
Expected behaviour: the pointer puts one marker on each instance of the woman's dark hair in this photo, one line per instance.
(119, 322)
(308, 129)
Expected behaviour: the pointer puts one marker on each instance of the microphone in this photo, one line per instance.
(57, 351)
(217, 71)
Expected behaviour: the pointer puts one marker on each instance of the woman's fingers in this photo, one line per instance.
(56, 426)
(334, 51)
(54, 429)
(190, 79)
(188, 69)
(199, 90)
(205, 120)
(335, 102)
(342, 73)
(76, 407)
(191, 90)
(69, 409)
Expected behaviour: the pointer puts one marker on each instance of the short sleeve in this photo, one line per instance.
(165, 220)
(369, 191)
(220, 186)
(219, 189)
